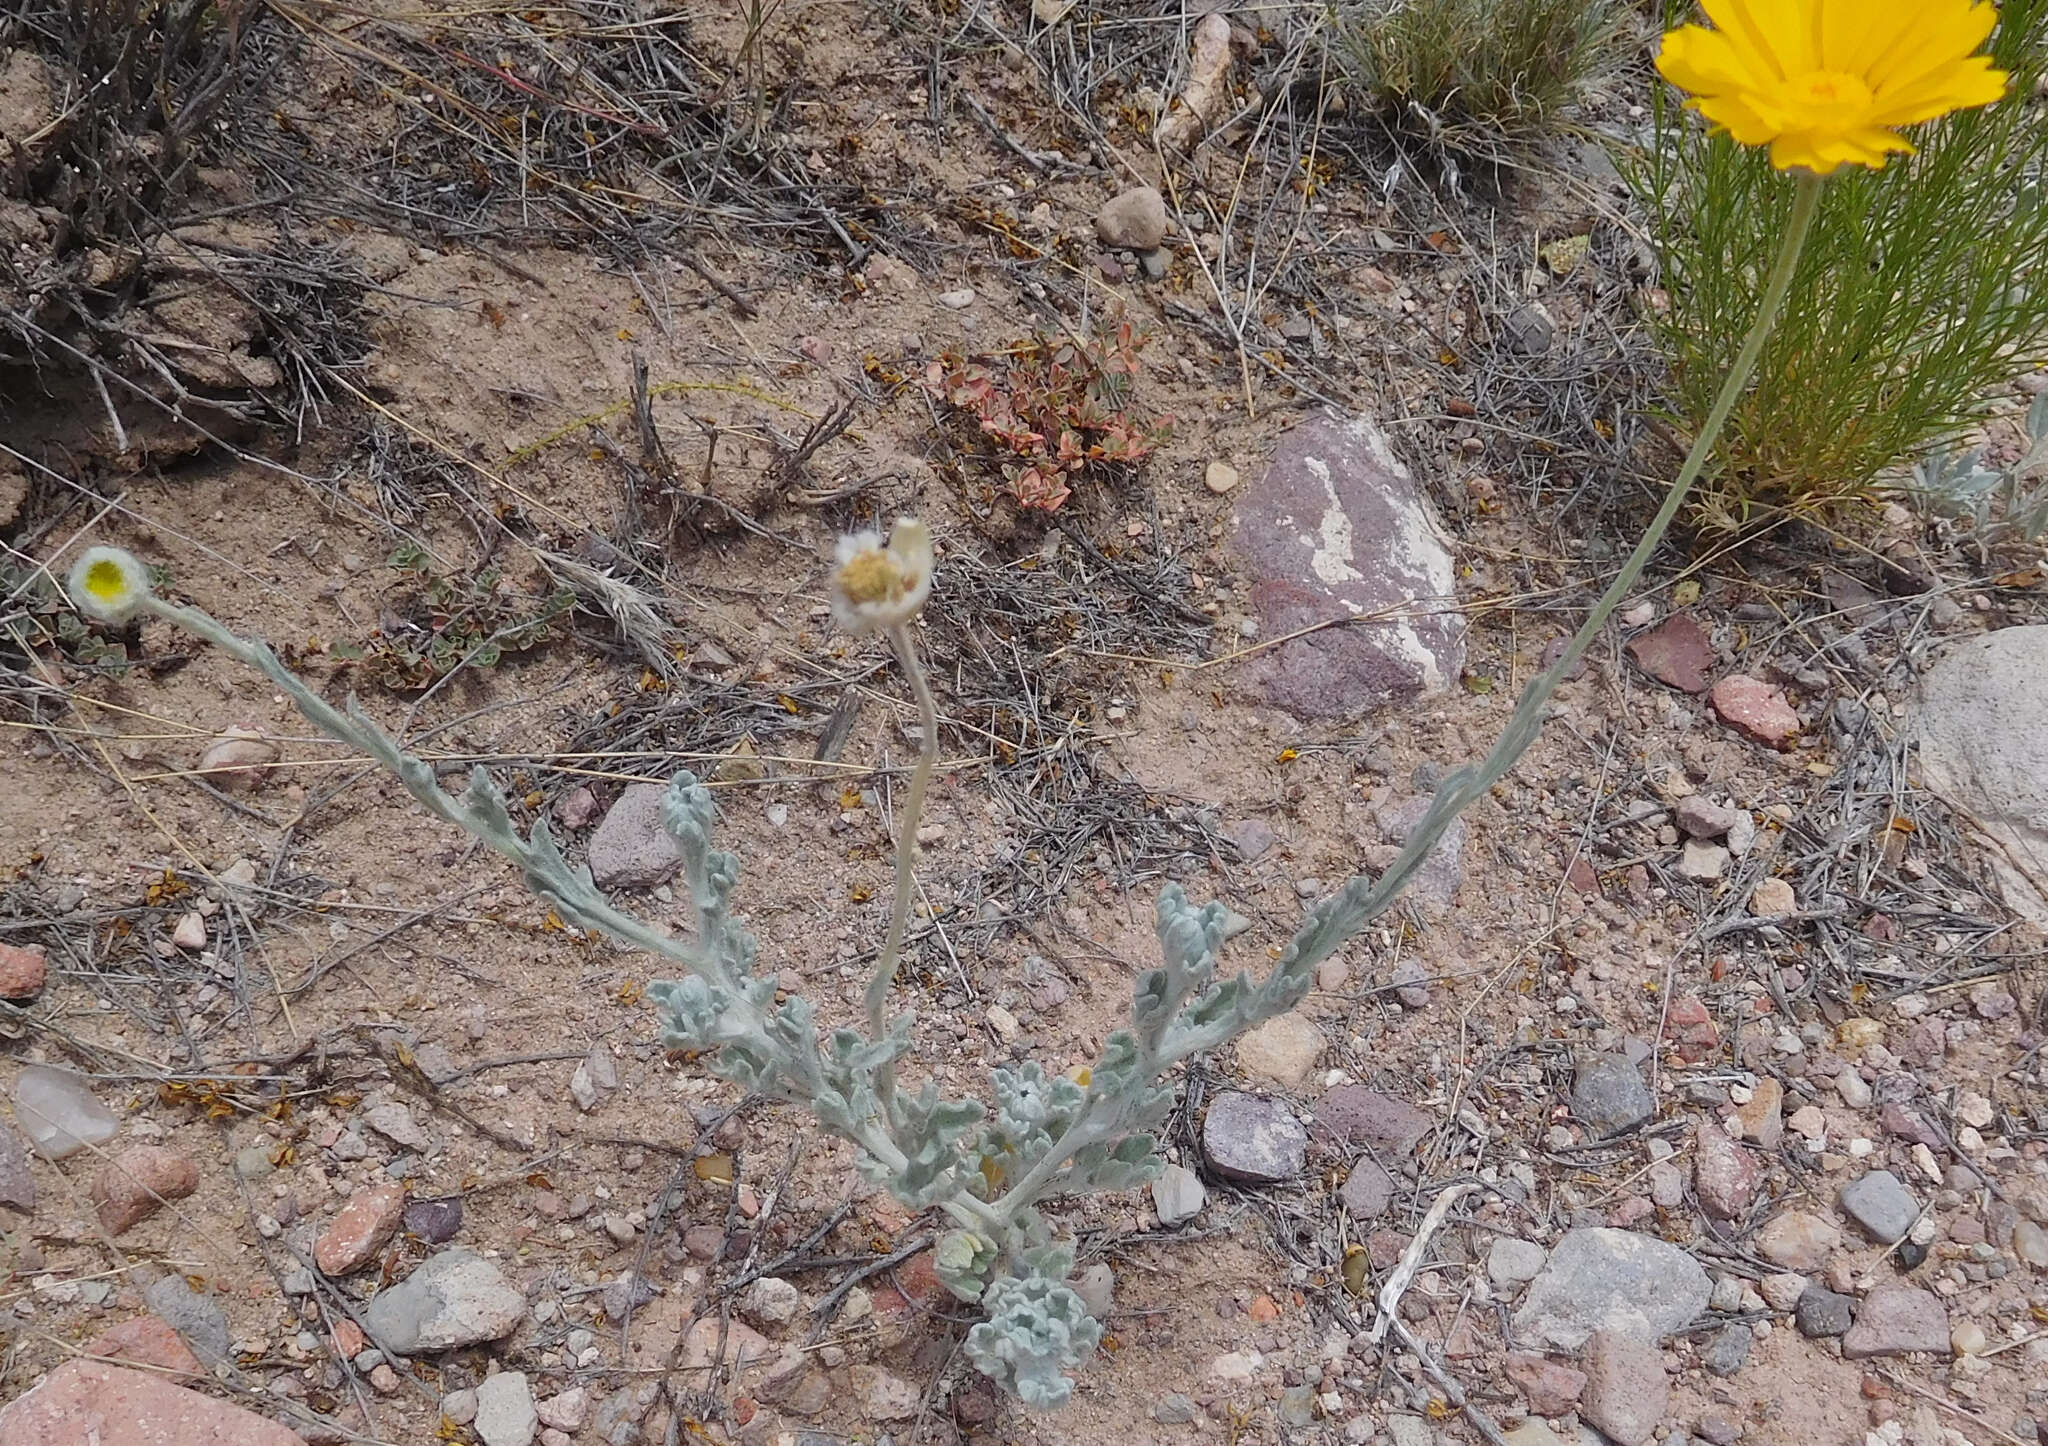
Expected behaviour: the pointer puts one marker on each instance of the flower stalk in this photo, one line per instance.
(884, 977)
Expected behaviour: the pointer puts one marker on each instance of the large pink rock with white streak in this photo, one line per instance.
(83, 1403)
(1338, 532)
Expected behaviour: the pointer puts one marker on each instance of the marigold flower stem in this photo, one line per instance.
(906, 850)
(1805, 206)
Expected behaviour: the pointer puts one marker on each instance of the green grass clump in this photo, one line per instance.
(1923, 288)
(1481, 72)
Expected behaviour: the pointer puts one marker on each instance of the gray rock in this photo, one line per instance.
(459, 1407)
(1530, 329)
(1821, 1312)
(770, 1303)
(1298, 1407)
(1702, 862)
(1177, 1195)
(1977, 719)
(1411, 981)
(1727, 1350)
(1435, 885)
(630, 849)
(1367, 1191)
(596, 1076)
(1405, 1430)
(1895, 1319)
(1251, 837)
(618, 1416)
(1613, 1280)
(198, 1319)
(1626, 1391)
(628, 1293)
(505, 1415)
(1174, 1410)
(1882, 1207)
(1609, 1094)
(453, 1299)
(1510, 1262)
(395, 1123)
(59, 1113)
(1097, 1288)
(17, 1180)
(1339, 527)
(1355, 1115)
(1248, 1138)
(1133, 221)
(1701, 818)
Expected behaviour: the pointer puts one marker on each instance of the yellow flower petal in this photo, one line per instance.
(1825, 83)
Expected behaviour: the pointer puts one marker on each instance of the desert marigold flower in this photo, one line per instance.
(877, 586)
(1826, 83)
(108, 583)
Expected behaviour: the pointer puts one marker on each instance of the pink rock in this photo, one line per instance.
(349, 1340)
(146, 1341)
(1725, 1175)
(1677, 654)
(1627, 1390)
(565, 1412)
(21, 971)
(577, 809)
(1631, 1211)
(84, 1403)
(1755, 709)
(133, 1185)
(1550, 1389)
(1692, 1027)
(364, 1227)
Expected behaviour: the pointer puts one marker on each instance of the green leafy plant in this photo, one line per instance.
(2000, 503)
(1051, 411)
(449, 621)
(35, 616)
(1922, 291)
(1476, 72)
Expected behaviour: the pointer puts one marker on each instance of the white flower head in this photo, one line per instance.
(876, 586)
(109, 583)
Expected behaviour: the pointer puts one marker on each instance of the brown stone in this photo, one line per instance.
(1762, 1120)
(1677, 653)
(86, 1403)
(134, 1185)
(146, 1341)
(1550, 1389)
(365, 1226)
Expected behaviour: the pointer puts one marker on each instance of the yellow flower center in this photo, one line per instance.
(873, 577)
(105, 580)
(1824, 100)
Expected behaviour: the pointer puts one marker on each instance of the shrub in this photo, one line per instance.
(1922, 290)
(985, 1166)
(1482, 71)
